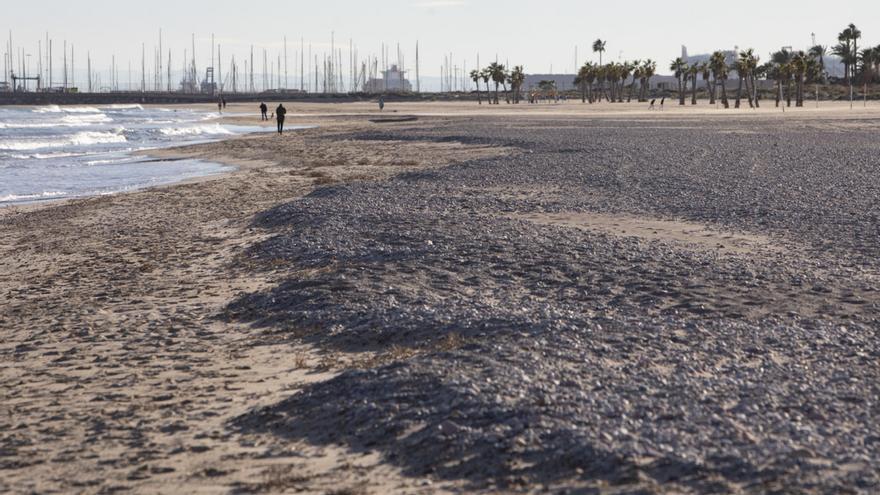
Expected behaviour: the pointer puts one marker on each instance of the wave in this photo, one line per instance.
(44, 156)
(59, 109)
(86, 119)
(215, 129)
(66, 121)
(79, 139)
(31, 197)
(125, 107)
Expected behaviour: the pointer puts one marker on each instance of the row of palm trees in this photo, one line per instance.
(785, 67)
(500, 76)
(608, 81)
(791, 71)
(859, 65)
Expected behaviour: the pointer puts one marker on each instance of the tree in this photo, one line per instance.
(476, 75)
(649, 68)
(749, 63)
(848, 50)
(637, 70)
(693, 73)
(781, 72)
(498, 73)
(486, 75)
(799, 69)
(740, 68)
(517, 77)
(679, 68)
(818, 52)
(582, 80)
(706, 71)
(599, 47)
(720, 72)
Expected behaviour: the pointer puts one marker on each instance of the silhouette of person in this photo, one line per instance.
(662, 101)
(381, 103)
(223, 101)
(264, 112)
(280, 112)
(652, 104)
(219, 106)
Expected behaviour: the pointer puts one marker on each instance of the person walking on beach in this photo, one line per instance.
(264, 112)
(219, 106)
(280, 112)
(223, 101)
(381, 103)
(652, 104)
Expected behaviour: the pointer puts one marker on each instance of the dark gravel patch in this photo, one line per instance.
(593, 360)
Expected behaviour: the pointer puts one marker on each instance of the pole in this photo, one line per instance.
(285, 63)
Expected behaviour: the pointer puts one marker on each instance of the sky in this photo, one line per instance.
(540, 35)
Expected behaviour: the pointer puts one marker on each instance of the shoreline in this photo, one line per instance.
(153, 155)
(127, 268)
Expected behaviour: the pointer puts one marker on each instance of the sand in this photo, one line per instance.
(121, 365)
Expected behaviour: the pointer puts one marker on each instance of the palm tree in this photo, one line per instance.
(637, 70)
(693, 72)
(486, 75)
(679, 68)
(780, 72)
(591, 75)
(843, 51)
(848, 50)
(855, 36)
(815, 73)
(706, 72)
(740, 68)
(819, 52)
(517, 77)
(599, 46)
(498, 73)
(750, 65)
(649, 68)
(580, 81)
(799, 69)
(626, 70)
(720, 71)
(476, 75)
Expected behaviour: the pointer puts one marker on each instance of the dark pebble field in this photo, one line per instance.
(544, 347)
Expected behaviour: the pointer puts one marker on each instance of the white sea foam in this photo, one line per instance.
(86, 119)
(84, 138)
(59, 109)
(44, 156)
(214, 129)
(126, 107)
(30, 197)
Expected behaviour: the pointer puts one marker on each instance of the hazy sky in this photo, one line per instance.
(536, 34)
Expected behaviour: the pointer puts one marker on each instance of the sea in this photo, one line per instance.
(56, 152)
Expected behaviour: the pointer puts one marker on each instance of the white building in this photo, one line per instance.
(393, 80)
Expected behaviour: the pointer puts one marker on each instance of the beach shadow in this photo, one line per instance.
(434, 423)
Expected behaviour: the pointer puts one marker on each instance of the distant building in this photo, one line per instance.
(729, 56)
(393, 80)
(564, 82)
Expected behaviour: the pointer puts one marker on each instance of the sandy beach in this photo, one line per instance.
(591, 299)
